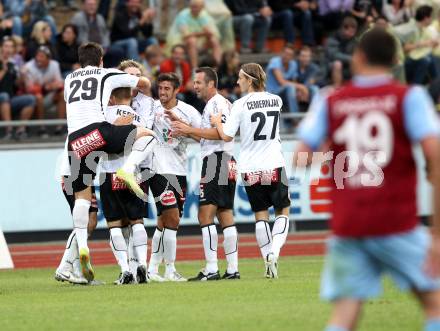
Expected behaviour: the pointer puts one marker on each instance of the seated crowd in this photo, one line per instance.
(319, 37)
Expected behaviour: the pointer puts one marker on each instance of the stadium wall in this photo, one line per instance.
(33, 207)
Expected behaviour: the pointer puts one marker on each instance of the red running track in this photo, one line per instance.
(188, 249)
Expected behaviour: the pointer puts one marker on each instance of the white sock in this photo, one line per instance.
(210, 243)
(169, 249)
(156, 252)
(230, 245)
(132, 260)
(140, 238)
(264, 237)
(119, 248)
(70, 253)
(139, 152)
(80, 215)
(279, 234)
(77, 268)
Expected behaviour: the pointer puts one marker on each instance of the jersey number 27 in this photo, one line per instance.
(261, 118)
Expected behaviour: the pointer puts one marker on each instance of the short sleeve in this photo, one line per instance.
(116, 78)
(313, 130)
(274, 63)
(196, 119)
(232, 124)
(420, 118)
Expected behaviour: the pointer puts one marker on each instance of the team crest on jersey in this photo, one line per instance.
(167, 136)
(90, 142)
(167, 198)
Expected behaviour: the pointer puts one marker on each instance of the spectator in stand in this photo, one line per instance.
(228, 76)
(9, 20)
(339, 50)
(251, 16)
(32, 11)
(418, 44)
(18, 58)
(332, 12)
(11, 104)
(290, 13)
(307, 74)
(92, 27)
(194, 28)
(153, 58)
(397, 11)
(43, 79)
(128, 22)
(223, 20)
(177, 64)
(67, 49)
(41, 36)
(365, 12)
(281, 74)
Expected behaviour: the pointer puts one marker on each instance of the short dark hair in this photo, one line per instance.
(384, 55)
(423, 12)
(90, 54)
(122, 93)
(178, 46)
(169, 77)
(210, 75)
(70, 26)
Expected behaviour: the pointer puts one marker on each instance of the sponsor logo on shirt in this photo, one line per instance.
(87, 143)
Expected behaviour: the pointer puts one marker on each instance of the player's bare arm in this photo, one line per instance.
(216, 121)
(183, 129)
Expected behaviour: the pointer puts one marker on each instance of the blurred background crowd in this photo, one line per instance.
(303, 44)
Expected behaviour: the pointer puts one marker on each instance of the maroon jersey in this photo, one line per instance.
(379, 198)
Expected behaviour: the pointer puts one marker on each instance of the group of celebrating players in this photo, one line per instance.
(140, 144)
(367, 126)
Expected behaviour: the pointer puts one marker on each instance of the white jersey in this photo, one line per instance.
(144, 106)
(169, 156)
(87, 93)
(257, 115)
(115, 161)
(215, 105)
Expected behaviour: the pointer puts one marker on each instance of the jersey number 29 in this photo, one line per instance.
(89, 87)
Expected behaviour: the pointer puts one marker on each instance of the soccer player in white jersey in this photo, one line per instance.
(87, 91)
(69, 269)
(144, 104)
(218, 178)
(168, 185)
(261, 161)
(118, 202)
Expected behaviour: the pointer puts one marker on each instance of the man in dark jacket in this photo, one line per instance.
(251, 15)
(127, 23)
(288, 13)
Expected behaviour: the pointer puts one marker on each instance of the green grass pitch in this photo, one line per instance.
(31, 299)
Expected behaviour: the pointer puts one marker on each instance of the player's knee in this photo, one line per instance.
(80, 213)
(116, 224)
(92, 222)
(172, 221)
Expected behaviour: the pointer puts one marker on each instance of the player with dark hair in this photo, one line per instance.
(261, 162)
(370, 125)
(168, 184)
(218, 178)
(87, 92)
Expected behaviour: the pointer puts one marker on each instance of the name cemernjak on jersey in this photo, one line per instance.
(85, 72)
(268, 103)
